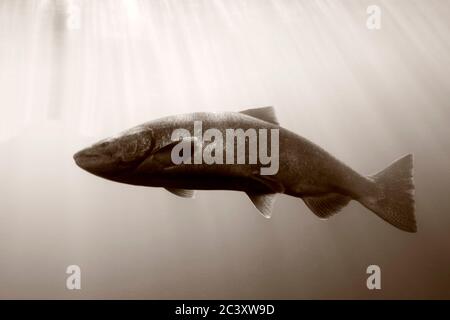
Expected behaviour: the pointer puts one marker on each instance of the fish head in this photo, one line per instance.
(115, 156)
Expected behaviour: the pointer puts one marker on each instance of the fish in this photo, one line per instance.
(144, 156)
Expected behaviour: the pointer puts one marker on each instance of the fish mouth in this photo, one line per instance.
(90, 161)
(100, 164)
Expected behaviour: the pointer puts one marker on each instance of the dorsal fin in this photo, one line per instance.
(266, 114)
(326, 205)
(263, 202)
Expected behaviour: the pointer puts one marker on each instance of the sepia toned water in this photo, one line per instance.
(73, 72)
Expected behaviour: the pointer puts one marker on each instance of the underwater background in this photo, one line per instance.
(73, 72)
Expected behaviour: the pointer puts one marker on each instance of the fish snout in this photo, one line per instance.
(80, 158)
(88, 160)
(98, 161)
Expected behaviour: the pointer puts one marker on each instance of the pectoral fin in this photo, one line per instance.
(188, 146)
(184, 193)
(326, 205)
(263, 202)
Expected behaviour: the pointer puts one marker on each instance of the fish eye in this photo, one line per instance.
(131, 147)
(134, 146)
(128, 148)
(145, 141)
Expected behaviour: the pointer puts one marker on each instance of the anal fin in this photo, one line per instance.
(326, 205)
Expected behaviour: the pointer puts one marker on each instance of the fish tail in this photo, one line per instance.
(394, 198)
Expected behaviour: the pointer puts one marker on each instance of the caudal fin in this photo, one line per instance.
(394, 201)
